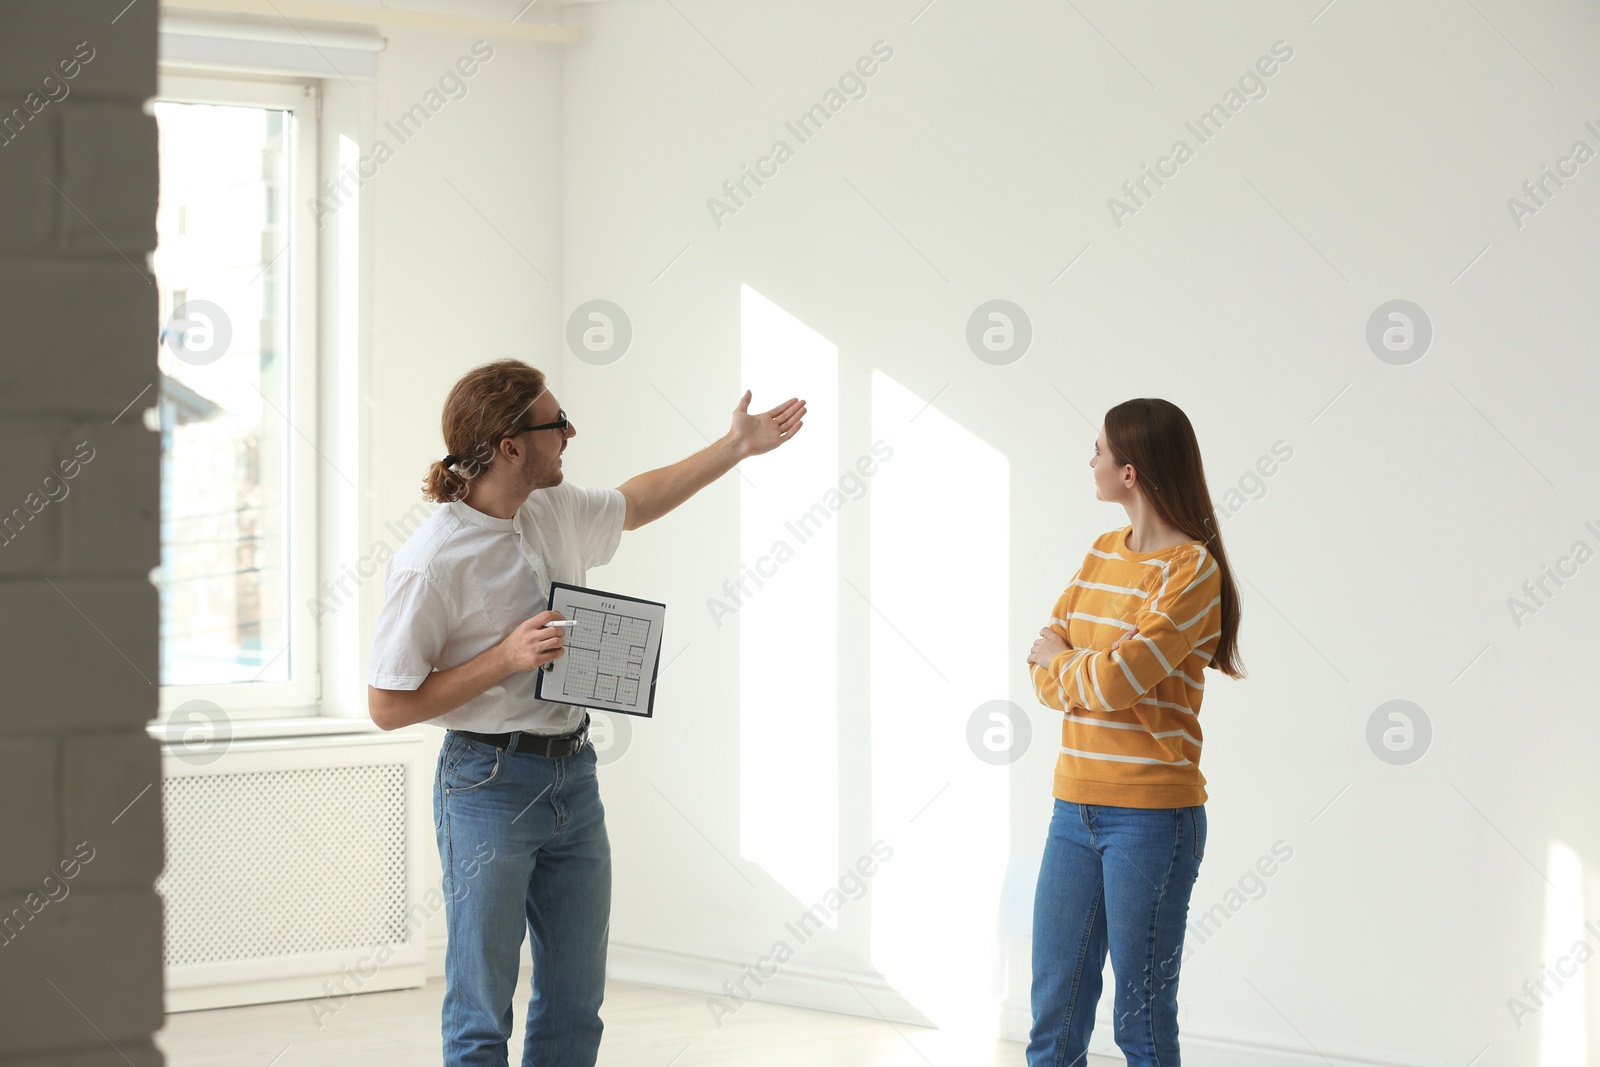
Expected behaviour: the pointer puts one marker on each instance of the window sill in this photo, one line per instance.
(285, 726)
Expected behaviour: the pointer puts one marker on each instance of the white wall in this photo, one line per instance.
(446, 288)
(1376, 566)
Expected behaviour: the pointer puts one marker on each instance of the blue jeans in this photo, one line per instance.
(1119, 879)
(522, 841)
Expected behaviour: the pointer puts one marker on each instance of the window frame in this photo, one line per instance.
(301, 694)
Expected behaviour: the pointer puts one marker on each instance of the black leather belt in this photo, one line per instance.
(552, 745)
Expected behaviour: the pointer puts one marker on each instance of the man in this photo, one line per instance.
(521, 832)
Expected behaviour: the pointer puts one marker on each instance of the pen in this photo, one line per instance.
(560, 624)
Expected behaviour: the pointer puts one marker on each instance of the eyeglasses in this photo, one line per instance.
(560, 424)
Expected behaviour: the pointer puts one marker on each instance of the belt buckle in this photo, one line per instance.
(576, 738)
(547, 743)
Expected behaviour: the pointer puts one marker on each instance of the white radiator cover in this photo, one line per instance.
(292, 870)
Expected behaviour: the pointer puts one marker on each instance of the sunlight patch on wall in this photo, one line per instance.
(1563, 1030)
(939, 651)
(786, 594)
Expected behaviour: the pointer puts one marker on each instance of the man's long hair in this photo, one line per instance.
(488, 403)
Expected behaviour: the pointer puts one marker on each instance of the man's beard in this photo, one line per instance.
(536, 478)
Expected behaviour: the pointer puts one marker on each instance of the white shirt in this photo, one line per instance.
(463, 581)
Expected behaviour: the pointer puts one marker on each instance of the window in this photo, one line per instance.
(235, 266)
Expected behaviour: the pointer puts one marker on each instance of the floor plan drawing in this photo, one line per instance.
(605, 657)
(611, 655)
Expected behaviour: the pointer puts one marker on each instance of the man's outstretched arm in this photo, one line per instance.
(654, 493)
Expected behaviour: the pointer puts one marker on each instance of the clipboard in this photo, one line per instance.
(613, 655)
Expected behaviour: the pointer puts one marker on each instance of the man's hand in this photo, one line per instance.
(751, 435)
(654, 493)
(532, 644)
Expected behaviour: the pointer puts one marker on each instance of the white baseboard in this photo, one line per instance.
(863, 993)
(795, 985)
(308, 988)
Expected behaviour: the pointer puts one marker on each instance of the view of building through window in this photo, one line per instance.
(224, 289)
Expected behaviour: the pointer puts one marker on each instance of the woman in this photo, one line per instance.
(1123, 658)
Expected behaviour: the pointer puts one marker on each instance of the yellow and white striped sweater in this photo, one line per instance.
(1130, 731)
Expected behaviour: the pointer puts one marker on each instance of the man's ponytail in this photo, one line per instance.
(443, 484)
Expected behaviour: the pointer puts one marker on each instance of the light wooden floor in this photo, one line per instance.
(645, 1027)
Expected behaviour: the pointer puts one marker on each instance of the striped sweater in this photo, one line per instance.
(1130, 731)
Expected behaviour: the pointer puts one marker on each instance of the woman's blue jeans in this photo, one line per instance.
(1114, 879)
(522, 841)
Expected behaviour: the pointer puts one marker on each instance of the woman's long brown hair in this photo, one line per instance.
(1155, 436)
